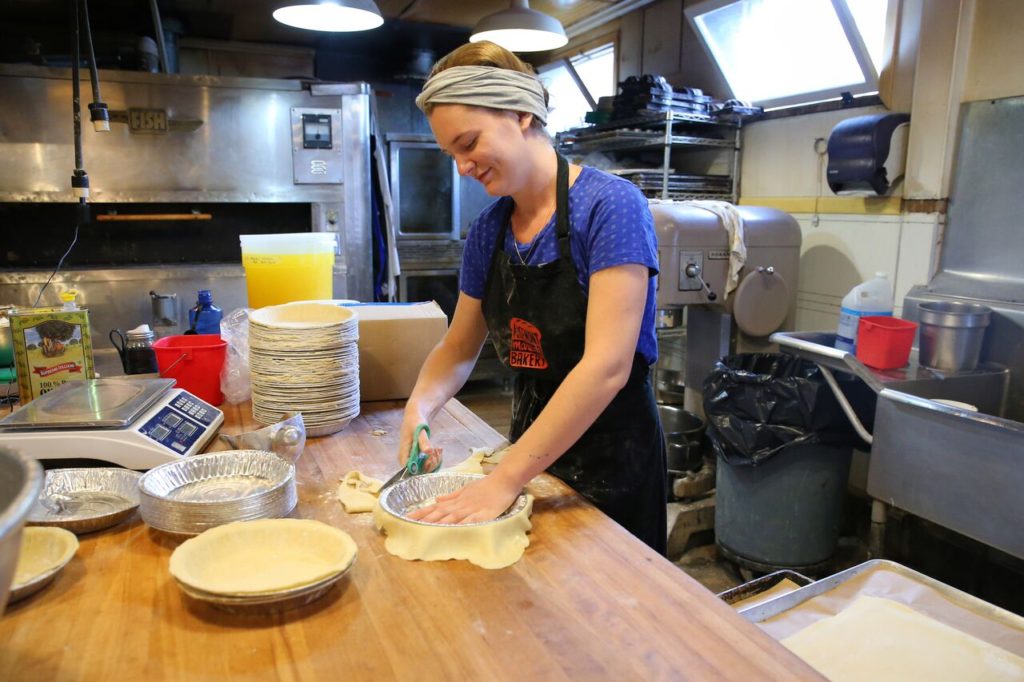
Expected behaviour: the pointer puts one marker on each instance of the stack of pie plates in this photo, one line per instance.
(304, 357)
(271, 563)
(194, 494)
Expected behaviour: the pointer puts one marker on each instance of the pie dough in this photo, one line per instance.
(879, 639)
(44, 550)
(488, 545)
(262, 556)
(358, 492)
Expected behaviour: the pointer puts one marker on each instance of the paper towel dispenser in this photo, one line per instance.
(866, 154)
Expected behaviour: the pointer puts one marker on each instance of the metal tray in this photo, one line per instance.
(763, 584)
(417, 492)
(774, 607)
(270, 602)
(191, 495)
(86, 500)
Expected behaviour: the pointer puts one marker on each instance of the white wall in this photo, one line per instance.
(844, 250)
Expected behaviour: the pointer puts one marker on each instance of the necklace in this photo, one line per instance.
(529, 251)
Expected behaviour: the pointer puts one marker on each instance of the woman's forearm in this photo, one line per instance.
(445, 372)
(449, 365)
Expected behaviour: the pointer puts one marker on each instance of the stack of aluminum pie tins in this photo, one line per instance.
(266, 565)
(197, 493)
(304, 357)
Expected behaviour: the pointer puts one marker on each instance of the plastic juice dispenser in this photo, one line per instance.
(281, 268)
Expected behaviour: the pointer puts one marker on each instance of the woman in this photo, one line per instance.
(560, 270)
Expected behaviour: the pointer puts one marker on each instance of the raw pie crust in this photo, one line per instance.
(43, 550)
(879, 639)
(262, 556)
(488, 545)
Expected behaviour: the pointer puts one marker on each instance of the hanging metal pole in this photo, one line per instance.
(159, 29)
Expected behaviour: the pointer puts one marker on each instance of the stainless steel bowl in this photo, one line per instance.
(196, 493)
(417, 492)
(86, 500)
(21, 478)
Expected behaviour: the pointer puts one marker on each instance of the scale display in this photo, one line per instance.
(135, 423)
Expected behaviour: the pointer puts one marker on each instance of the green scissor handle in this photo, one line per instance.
(417, 462)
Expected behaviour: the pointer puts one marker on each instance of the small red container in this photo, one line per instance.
(884, 342)
(194, 361)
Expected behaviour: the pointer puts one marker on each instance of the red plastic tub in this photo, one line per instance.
(194, 361)
(884, 342)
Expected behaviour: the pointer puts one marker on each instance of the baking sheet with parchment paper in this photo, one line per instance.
(893, 581)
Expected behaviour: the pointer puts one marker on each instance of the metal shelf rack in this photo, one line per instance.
(668, 130)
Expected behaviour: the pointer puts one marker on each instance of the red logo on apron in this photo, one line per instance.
(526, 350)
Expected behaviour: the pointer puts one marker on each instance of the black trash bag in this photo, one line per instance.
(759, 404)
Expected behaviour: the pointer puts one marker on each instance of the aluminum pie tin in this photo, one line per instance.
(268, 602)
(417, 492)
(199, 492)
(60, 546)
(86, 500)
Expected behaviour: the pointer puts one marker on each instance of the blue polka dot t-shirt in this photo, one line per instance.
(609, 224)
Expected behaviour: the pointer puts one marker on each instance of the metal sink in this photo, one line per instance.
(963, 470)
(985, 387)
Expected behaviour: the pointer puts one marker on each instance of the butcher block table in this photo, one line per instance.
(586, 601)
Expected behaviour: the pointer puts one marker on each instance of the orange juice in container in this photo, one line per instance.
(281, 268)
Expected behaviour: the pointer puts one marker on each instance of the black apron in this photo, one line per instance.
(536, 316)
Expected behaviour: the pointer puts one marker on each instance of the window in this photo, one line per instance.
(571, 81)
(777, 53)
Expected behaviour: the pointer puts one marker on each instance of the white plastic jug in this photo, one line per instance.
(873, 297)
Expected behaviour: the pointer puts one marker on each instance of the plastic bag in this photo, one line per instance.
(759, 404)
(286, 439)
(235, 381)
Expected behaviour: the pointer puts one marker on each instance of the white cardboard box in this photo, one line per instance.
(394, 341)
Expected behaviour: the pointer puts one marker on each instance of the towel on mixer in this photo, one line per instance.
(733, 223)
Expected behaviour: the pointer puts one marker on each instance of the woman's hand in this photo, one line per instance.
(409, 423)
(481, 500)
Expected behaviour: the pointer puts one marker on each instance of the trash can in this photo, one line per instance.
(783, 447)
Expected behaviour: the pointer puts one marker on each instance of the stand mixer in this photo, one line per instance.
(693, 259)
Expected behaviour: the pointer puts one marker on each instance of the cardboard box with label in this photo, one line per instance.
(394, 341)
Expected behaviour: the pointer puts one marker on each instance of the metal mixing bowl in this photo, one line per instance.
(21, 479)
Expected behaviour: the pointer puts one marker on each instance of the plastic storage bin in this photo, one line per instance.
(282, 268)
(194, 361)
(884, 342)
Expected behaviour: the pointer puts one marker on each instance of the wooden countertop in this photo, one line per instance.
(586, 601)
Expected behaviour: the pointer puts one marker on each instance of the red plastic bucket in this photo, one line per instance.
(884, 342)
(194, 361)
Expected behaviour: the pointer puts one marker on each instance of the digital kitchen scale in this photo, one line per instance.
(136, 423)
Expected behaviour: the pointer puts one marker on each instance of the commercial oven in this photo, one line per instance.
(190, 163)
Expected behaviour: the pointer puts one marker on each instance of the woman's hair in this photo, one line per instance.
(485, 53)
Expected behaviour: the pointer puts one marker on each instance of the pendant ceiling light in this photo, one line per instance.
(333, 15)
(520, 29)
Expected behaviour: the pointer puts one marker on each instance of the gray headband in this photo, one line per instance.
(486, 86)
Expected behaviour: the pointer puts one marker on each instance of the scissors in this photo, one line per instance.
(417, 462)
